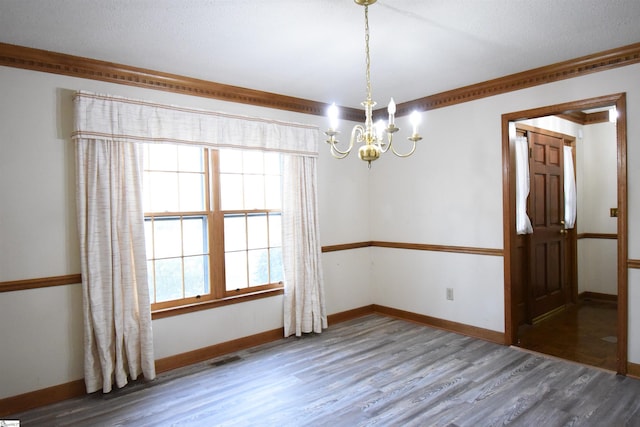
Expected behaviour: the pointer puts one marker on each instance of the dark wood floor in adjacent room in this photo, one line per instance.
(369, 371)
(584, 332)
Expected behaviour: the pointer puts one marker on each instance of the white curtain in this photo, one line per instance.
(569, 189)
(304, 305)
(113, 118)
(118, 341)
(523, 223)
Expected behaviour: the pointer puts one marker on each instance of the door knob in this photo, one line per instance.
(563, 231)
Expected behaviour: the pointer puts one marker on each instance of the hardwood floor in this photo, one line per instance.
(585, 333)
(369, 371)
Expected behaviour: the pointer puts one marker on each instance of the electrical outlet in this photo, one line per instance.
(450, 294)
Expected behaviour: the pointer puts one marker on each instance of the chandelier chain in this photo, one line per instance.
(366, 43)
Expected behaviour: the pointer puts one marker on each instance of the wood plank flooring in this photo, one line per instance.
(371, 371)
(585, 333)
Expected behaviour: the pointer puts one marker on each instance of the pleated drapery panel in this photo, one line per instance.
(523, 223)
(304, 299)
(570, 197)
(118, 342)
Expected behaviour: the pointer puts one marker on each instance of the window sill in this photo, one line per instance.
(206, 305)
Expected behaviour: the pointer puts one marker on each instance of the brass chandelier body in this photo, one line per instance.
(371, 137)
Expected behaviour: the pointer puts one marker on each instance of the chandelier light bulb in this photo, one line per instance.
(332, 113)
(415, 121)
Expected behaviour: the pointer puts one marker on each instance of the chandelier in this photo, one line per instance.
(371, 137)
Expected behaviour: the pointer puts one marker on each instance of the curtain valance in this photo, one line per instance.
(116, 118)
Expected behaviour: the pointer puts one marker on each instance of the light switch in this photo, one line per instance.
(613, 212)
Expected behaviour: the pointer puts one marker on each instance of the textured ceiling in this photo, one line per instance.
(314, 49)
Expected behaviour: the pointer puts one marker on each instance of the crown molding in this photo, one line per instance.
(582, 118)
(602, 61)
(87, 68)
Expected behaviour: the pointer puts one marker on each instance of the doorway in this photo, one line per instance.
(517, 307)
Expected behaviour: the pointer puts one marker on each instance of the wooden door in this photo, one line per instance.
(547, 285)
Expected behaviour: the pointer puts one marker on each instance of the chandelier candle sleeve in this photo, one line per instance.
(371, 137)
(392, 112)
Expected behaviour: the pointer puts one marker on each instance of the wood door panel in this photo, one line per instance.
(539, 153)
(539, 200)
(546, 206)
(554, 156)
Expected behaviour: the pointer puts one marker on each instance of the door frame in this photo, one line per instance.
(509, 196)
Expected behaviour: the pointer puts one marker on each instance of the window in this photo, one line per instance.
(212, 223)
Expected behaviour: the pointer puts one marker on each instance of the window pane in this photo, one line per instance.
(253, 162)
(275, 261)
(254, 192)
(275, 229)
(168, 279)
(191, 192)
(145, 156)
(257, 231)
(272, 189)
(167, 242)
(164, 191)
(150, 272)
(148, 237)
(231, 192)
(163, 157)
(194, 236)
(258, 267)
(190, 159)
(230, 161)
(236, 270)
(235, 233)
(272, 163)
(196, 276)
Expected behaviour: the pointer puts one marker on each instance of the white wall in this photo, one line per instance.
(449, 193)
(42, 328)
(597, 193)
(41, 338)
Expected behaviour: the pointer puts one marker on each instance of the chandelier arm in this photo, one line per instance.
(342, 154)
(357, 135)
(337, 154)
(385, 147)
(407, 154)
(335, 149)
